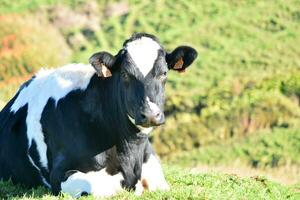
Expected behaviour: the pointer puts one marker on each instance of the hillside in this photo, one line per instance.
(236, 110)
(247, 77)
(273, 154)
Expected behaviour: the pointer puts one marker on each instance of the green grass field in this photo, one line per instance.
(268, 149)
(237, 109)
(184, 185)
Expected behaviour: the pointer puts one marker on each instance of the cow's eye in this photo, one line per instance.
(125, 76)
(163, 76)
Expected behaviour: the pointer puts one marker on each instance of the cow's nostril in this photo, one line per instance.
(143, 116)
(157, 115)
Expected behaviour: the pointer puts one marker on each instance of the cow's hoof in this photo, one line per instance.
(139, 189)
(155, 185)
(84, 194)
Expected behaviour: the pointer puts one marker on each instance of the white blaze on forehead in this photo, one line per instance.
(56, 84)
(144, 52)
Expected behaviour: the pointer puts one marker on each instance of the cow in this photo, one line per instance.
(84, 128)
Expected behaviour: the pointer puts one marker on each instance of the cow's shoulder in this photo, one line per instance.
(53, 83)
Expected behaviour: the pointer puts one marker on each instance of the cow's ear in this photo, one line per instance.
(103, 63)
(181, 58)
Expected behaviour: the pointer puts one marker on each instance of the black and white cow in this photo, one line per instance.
(84, 128)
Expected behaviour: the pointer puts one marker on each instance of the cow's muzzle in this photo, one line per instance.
(149, 118)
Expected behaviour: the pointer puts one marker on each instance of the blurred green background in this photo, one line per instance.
(238, 105)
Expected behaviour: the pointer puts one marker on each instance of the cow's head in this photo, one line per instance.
(142, 65)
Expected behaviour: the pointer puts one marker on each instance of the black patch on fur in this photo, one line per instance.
(27, 83)
(69, 173)
(14, 161)
(188, 55)
(102, 58)
(136, 36)
(36, 159)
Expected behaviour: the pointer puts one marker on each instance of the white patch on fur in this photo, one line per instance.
(53, 83)
(98, 183)
(153, 107)
(145, 130)
(139, 189)
(38, 169)
(153, 175)
(144, 52)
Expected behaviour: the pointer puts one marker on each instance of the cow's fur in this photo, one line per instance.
(71, 130)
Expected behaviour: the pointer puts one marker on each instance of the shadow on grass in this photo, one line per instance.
(8, 190)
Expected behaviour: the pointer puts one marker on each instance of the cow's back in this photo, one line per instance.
(22, 147)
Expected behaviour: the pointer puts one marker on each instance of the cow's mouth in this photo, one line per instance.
(132, 120)
(144, 129)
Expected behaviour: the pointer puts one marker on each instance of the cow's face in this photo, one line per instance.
(142, 66)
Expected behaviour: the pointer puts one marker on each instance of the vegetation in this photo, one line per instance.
(239, 102)
(25, 48)
(184, 185)
(246, 79)
(265, 150)
(22, 40)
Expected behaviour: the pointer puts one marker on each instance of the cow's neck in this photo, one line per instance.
(112, 108)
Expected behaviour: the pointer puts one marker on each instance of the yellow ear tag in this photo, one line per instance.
(178, 64)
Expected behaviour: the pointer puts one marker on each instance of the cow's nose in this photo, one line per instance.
(152, 118)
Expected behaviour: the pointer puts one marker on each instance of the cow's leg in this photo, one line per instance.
(152, 173)
(98, 183)
(57, 174)
(127, 165)
(132, 180)
(130, 155)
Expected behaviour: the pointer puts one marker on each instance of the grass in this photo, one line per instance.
(268, 149)
(184, 185)
(272, 153)
(246, 80)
